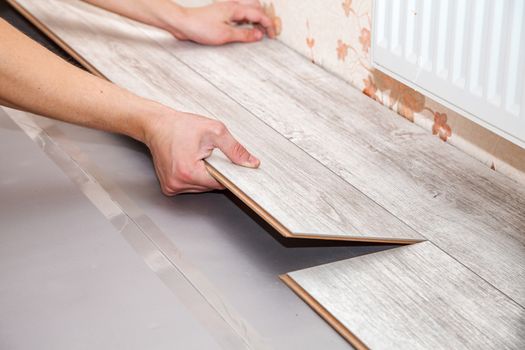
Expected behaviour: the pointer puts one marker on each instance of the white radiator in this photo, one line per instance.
(467, 54)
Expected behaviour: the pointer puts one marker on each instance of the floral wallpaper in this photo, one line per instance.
(336, 35)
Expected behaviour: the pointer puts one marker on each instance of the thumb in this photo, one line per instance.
(236, 152)
(246, 35)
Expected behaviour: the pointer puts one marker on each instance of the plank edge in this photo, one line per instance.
(282, 229)
(321, 311)
(44, 29)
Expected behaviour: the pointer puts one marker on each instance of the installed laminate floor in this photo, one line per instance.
(412, 297)
(446, 196)
(396, 184)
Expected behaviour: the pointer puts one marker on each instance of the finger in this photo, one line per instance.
(255, 3)
(254, 15)
(191, 189)
(198, 181)
(234, 150)
(260, 27)
(245, 35)
(202, 178)
(195, 190)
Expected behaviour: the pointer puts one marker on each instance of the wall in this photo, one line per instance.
(335, 34)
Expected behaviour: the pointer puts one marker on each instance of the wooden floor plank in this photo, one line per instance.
(473, 213)
(286, 189)
(412, 297)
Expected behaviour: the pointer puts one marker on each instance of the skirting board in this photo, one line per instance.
(392, 224)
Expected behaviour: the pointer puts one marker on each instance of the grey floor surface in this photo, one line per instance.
(68, 278)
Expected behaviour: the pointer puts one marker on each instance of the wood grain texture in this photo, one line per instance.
(413, 297)
(473, 213)
(324, 313)
(326, 118)
(287, 185)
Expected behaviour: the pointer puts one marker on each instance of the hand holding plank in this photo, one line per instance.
(35, 80)
(179, 143)
(214, 24)
(217, 24)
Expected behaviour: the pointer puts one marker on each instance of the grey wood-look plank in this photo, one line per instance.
(475, 214)
(413, 297)
(286, 186)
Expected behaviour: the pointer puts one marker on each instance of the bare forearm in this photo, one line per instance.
(157, 13)
(7, 104)
(36, 80)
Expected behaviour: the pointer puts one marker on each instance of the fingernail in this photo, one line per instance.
(252, 162)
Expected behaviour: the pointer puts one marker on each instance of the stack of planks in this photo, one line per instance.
(336, 165)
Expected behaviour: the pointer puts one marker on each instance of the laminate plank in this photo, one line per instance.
(473, 213)
(412, 297)
(284, 190)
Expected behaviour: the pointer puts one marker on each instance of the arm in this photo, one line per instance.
(34, 79)
(214, 24)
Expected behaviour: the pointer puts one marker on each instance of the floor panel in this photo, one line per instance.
(445, 195)
(412, 297)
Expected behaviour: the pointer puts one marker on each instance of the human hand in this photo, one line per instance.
(179, 143)
(217, 24)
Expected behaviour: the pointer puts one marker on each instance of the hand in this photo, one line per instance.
(179, 144)
(216, 24)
